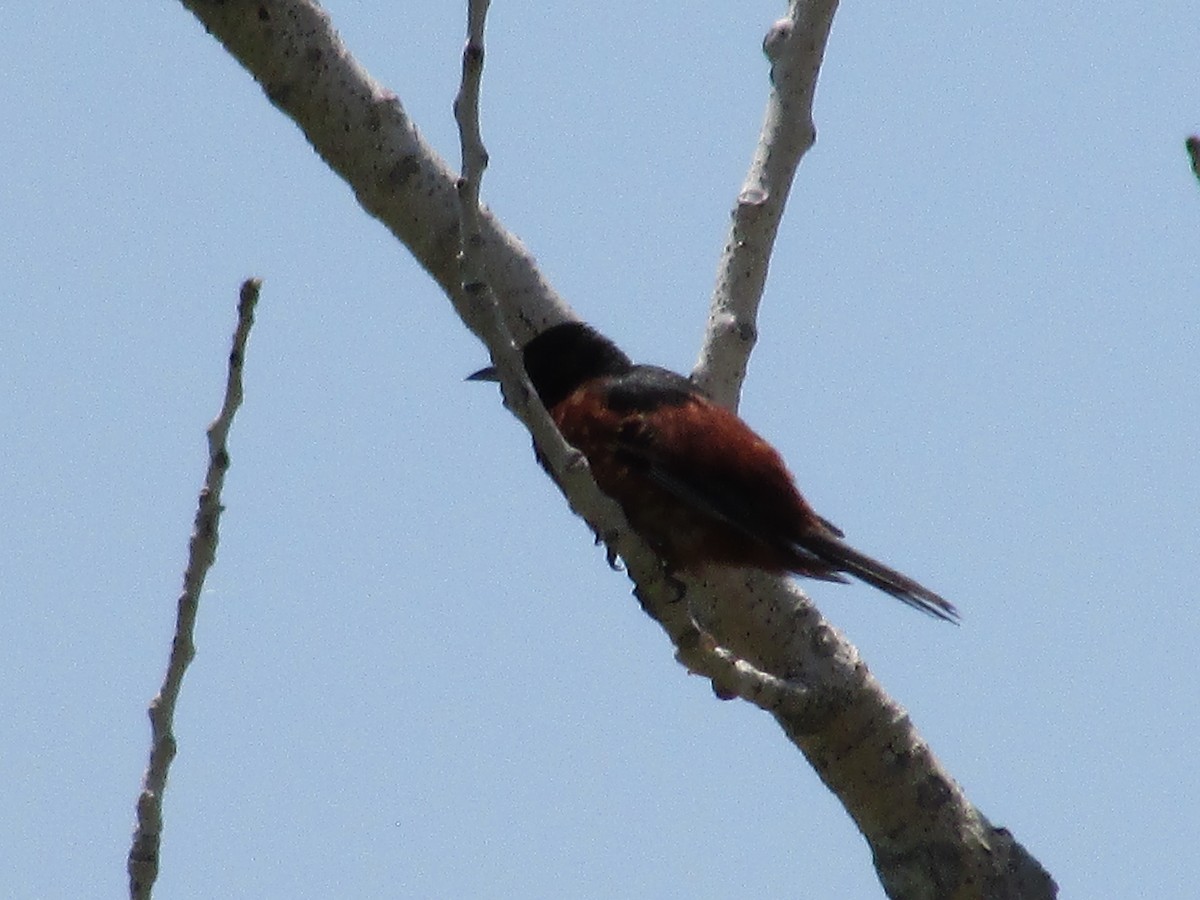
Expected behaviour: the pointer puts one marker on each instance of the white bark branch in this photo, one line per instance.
(363, 133)
(657, 593)
(795, 47)
(569, 466)
(756, 637)
(142, 863)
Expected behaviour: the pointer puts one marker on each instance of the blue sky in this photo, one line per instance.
(415, 675)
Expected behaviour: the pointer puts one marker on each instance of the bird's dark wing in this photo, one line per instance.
(718, 502)
(711, 461)
(751, 499)
(647, 389)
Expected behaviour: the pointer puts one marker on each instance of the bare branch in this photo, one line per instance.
(568, 464)
(795, 47)
(142, 864)
(830, 701)
(755, 636)
(656, 593)
(362, 131)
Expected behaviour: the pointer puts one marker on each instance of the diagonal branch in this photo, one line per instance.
(656, 592)
(757, 637)
(363, 133)
(202, 552)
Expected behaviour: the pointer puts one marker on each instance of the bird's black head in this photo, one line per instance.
(563, 357)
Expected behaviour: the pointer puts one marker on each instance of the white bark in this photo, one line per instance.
(756, 637)
(142, 863)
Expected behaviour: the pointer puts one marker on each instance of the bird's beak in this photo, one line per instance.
(488, 373)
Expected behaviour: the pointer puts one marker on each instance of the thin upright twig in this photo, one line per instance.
(142, 864)
(694, 649)
(794, 47)
(568, 465)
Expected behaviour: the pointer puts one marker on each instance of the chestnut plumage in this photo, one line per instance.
(694, 480)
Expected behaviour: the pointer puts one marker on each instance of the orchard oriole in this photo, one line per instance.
(693, 479)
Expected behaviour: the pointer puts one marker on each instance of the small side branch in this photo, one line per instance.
(142, 863)
(656, 592)
(795, 47)
(484, 313)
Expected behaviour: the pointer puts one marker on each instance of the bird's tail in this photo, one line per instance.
(841, 556)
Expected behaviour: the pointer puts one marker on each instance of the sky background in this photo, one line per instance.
(416, 677)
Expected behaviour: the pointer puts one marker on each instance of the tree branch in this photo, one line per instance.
(755, 636)
(795, 47)
(142, 863)
(361, 130)
(655, 591)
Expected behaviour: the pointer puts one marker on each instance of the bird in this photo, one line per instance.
(694, 480)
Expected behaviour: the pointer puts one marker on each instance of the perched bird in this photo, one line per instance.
(693, 479)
